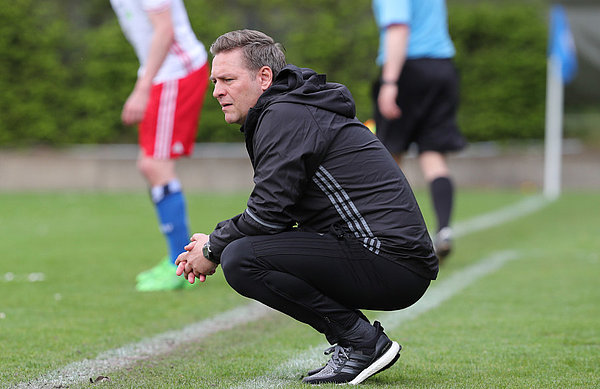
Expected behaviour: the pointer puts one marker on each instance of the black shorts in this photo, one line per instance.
(428, 98)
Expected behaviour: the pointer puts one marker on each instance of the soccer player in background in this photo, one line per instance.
(166, 102)
(416, 96)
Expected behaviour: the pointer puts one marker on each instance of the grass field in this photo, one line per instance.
(67, 297)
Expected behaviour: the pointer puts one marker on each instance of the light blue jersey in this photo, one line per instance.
(428, 22)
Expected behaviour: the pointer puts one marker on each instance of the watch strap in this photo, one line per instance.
(208, 254)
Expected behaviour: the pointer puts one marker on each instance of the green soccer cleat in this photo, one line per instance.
(163, 266)
(161, 277)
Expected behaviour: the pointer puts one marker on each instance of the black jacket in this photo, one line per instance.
(316, 165)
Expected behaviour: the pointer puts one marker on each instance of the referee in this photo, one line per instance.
(416, 97)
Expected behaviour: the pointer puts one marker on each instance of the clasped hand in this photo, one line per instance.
(192, 263)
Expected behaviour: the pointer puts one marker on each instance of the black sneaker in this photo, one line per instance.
(348, 365)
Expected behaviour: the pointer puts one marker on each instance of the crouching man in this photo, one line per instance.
(331, 226)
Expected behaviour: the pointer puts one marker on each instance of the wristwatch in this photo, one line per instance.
(208, 254)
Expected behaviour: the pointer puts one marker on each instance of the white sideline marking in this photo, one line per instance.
(128, 355)
(502, 215)
(435, 296)
(125, 356)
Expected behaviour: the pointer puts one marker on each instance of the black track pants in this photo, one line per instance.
(319, 279)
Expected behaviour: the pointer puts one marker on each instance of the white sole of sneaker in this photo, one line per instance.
(378, 365)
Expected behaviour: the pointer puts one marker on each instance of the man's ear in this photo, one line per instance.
(265, 76)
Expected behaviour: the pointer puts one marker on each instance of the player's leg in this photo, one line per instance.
(167, 133)
(324, 281)
(169, 201)
(170, 205)
(158, 168)
(439, 134)
(437, 175)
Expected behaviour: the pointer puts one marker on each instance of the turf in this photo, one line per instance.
(535, 323)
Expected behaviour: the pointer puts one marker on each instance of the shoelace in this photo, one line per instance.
(339, 355)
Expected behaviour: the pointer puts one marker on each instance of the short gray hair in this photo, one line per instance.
(258, 48)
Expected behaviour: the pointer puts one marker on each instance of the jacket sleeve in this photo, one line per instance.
(288, 146)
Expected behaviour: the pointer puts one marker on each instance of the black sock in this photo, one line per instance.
(360, 335)
(442, 195)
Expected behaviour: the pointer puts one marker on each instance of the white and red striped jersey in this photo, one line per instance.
(187, 52)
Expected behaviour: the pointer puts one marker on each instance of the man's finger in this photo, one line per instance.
(180, 258)
(191, 278)
(180, 268)
(188, 268)
(190, 246)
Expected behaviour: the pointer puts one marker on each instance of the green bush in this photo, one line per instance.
(501, 55)
(340, 42)
(31, 98)
(66, 68)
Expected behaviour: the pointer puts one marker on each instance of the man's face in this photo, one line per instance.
(236, 87)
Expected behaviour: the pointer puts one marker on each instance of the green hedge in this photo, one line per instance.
(66, 69)
(501, 55)
(31, 72)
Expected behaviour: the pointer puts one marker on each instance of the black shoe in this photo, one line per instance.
(353, 366)
(442, 243)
